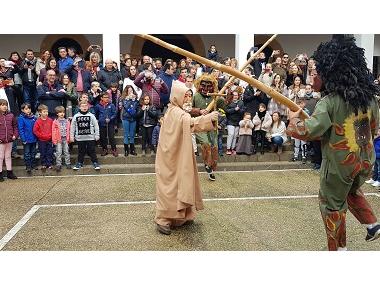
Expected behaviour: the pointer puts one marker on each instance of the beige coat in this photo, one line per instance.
(265, 124)
(177, 182)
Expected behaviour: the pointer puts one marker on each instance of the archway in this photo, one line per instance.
(194, 44)
(65, 42)
(48, 42)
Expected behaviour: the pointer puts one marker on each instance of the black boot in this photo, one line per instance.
(10, 175)
(126, 150)
(133, 151)
(1, 177)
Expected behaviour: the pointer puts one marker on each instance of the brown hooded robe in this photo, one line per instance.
(177, 182)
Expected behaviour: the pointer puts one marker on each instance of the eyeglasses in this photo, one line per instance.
(285, 57)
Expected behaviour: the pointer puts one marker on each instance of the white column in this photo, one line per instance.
(243, 43)
(111, 47)
(367, 41)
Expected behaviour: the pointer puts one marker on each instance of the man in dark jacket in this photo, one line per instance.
(51, 93)
(29, 78)
(168, 77)
(108, 75)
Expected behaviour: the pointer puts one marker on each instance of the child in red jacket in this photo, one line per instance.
(43, 131)
(8, 133)
(61, 138)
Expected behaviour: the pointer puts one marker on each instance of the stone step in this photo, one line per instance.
(138, 147)
(150, 158)
(149, 168)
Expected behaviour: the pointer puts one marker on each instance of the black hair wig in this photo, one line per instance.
(343, 69)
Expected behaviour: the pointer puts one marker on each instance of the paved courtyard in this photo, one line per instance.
(262, 210)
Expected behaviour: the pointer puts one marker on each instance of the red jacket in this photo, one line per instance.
(8, 127)
(56, 132)
(43, 129)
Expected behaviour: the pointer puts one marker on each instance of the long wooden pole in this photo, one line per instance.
(264, 88)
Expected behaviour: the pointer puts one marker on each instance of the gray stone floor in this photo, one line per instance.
(258, 224)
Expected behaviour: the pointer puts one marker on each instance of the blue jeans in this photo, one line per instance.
(29, 154)
(129, 131)
(30, 95)
(220, 143)
(278, 140)
(46, 150)
(376, 171)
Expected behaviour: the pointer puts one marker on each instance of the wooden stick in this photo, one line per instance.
(232, 78)
(264, 88)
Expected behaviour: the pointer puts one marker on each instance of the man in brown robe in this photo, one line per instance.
(177, 182)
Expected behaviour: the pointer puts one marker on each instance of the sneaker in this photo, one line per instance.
(43, 168)
(96, 166)
(29, 170)
(229, 152)
(77, 166)
(371, 181)
(115, 153)
(373, 233)
(69, 166)
(211, 176)
(303, 160)
(197, 153)
(221, 154)
(317, 167)
(233, 152)
(293, 159)
(38, 155)
(58, 168)
(376, 184)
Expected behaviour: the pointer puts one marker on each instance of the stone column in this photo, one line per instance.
(111, 47)
(243, 43)
(367, 41)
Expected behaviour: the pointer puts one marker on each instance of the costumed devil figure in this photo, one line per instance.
(209, 141)
(177, 182)
(346, 120)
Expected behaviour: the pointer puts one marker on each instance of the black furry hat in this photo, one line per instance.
(343, 69)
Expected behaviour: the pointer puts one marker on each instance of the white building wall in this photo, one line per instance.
(294, 44)
(21, 43)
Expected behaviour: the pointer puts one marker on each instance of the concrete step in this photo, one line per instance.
(150, 168)
(138, 147)
(150, 158)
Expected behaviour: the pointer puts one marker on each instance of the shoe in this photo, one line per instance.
(114, 153)
(58, 168)
(10, 175)
(221, 154)
(96, 166)
(68, 166)
(376, 184)
(104, 152)
(229, 152)
(262, 152)
(78, 166)
(29, 170)
(233, 152)
(126, 150)
(294, 159)
(373, 233)
(279, 150)
(143, 152)
(1, 177)
(197, 153)
(38, 155)
(164, 229)
(371, 181)
(133, 150)
(50, 167)
(43, 168)
(211, 175)
(317, 167)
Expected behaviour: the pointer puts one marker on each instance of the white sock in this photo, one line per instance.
(342, 248)
(372, 225)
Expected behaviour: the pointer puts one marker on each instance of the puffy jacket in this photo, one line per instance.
(102, 112)
(153, 88)
(376, 144)
(130, 109)
(50, 96)
(8, 127)
(148, 116)
(25, 128)
(56, 136)
(43, 129)
(262, 124)
(233, 116)
(106, 77)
